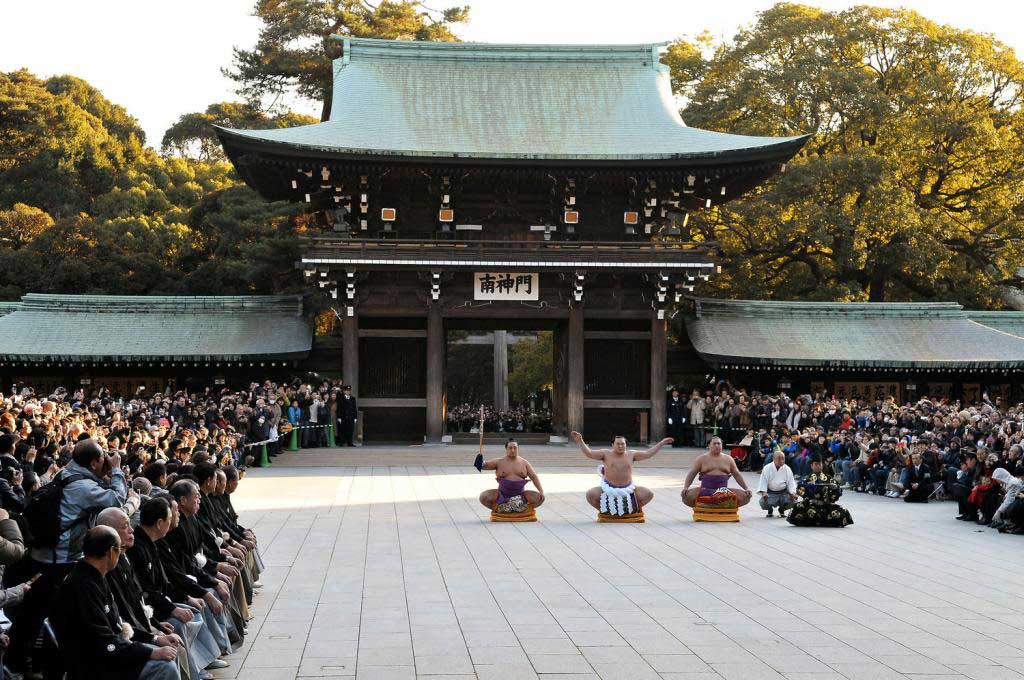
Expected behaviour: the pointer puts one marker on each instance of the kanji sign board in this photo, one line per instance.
(505, 286)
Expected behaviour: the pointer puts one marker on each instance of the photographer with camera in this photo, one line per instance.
(58, 518)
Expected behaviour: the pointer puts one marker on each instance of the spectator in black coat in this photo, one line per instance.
(916, 480)
(347, 414)
(93, 642)
(675, 418)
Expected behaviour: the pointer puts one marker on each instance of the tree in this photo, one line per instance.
(291, 53)
(55, 154)
(21, 224)
(532, 366)
(85, 208)
(193, 136)
(910, 187)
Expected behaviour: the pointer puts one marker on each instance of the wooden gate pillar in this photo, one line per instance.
(559, 396)
(658, 378)
(435, 373)
(350, 352)
(574, 350)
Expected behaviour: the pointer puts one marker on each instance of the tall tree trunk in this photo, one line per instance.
(325, 112)
(878, 285)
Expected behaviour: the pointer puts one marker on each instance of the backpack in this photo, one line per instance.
(42, 515)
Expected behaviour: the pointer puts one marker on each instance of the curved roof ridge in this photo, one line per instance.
(161, 304)
(635, 54)
(1010, 321)
(716, 306)
(607, 104)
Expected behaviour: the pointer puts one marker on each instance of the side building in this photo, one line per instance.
(128, 342)
(872, 350)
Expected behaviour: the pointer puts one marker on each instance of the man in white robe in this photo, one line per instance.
(777, 486)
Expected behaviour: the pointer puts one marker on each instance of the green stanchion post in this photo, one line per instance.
(330, 436)
(264, 458)
(293, 443)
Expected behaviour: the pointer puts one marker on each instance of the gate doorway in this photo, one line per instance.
(508, 371)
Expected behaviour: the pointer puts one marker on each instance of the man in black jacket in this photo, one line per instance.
(218, 541)
(347, 414)
(127, 593)
(88, 625)
(675, 418)
(189, 618)
(205, 564)
(969, 475)
(228, 522)
(916, 480)
(231, 478)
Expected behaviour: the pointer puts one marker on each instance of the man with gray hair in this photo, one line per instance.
(777, 486)
(143, 562)
(127, 593)
(216, 576)
(94, 639)
(143, 487)
(92, 481)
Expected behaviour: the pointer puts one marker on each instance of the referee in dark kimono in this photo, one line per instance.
(95, 643)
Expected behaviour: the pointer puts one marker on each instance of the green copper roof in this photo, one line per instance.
(1007, 322)
(527, 102)
(114, 327)
(813, 334)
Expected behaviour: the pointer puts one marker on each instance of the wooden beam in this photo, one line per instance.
(391, 402)
(617, 335)
(617, 403)
(435, 374)
(658, 378)
(392, 333)
(617, 313)
(509, 312)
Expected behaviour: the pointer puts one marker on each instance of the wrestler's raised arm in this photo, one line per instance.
(491, 464)
(692, 474)
(596, 455)
(644, 455)
(735, 472)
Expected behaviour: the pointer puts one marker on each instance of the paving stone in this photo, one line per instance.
(387, 568)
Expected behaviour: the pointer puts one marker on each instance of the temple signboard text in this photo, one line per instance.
(506, 286)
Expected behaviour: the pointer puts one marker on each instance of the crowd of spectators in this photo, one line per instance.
(916, 451)
(466, 418)
(121, 554)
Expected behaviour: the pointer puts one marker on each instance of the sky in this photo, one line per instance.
(163, 58)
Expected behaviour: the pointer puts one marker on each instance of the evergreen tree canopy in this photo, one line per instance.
(911, 185)
(294, 48)
(86, 208)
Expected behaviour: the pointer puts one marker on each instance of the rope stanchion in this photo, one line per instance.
(330, 436)
(293, 444)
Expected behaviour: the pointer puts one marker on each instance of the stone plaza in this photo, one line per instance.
(384, 565)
